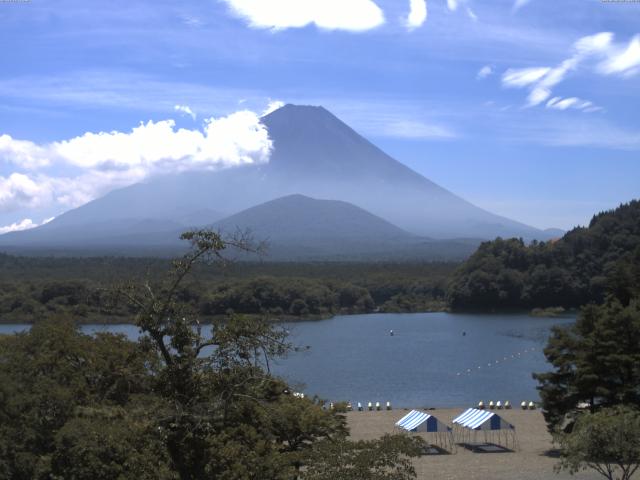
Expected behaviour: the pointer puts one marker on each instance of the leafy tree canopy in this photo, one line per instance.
(182, 403)
(595, 361)
(583, 266)
(607, 441)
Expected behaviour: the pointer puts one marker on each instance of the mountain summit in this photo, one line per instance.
(315, 154)
(323, 157)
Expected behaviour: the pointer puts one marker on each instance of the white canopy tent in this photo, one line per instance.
(495, 429)
(421, 422)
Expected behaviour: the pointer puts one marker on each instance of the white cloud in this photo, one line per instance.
(350, 15)
(519, 4)
(186, 110)
(416, 130)
(538, 95)
(452, 5)
(558, 103)
(417, 14)
(594, 43)
(542, 80)
(19, 190)
(523, 76)
(23, 154)
(625, 62)
(472, 14)
(272, 107)
(108, 160)
(484, 72)
(233, 140)
(24, 224)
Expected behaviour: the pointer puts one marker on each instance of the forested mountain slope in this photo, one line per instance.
(581, 267)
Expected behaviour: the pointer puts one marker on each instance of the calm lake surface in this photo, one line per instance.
(428, 362)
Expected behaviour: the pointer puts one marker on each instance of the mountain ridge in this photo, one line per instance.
(315, 154)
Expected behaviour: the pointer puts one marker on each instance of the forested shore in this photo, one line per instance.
(583, 267)
(33, 288)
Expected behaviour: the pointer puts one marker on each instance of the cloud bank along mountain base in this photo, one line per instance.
(95, 163)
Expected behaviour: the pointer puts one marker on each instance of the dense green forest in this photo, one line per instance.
(33, 288)
(75, 406)
(580, 268)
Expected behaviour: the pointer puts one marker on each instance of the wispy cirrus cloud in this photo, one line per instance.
(518, 4)
(185, 109)
(583, 131)
(453, 6)
(610, 59)
(522, 77)
(623, 61)
(484, 72)
(559, 103)
(415, 129)
(123, 90)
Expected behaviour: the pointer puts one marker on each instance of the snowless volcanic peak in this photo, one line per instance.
(315, 154)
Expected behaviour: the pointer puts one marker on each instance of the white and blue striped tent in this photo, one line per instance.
(416, 421)
(475, 420)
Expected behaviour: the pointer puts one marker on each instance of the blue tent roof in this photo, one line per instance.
(475, 419)
(416, 421)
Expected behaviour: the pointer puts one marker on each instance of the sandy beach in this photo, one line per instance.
(531, 462)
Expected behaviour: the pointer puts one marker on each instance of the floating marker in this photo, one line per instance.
(359, 407)
(377, 405)
(370, 406)
(388, 405)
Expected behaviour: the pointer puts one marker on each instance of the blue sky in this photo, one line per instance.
(526, 108)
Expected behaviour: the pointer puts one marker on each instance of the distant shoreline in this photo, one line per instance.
(208, 320)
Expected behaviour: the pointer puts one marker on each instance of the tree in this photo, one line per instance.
(50, 374)
(596, 361)
(224, 415)
(185, 402)
(585, 265)
(107, 443)
(607, 441)
(388, 458)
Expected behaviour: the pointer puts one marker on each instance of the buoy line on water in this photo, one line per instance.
(505, 359)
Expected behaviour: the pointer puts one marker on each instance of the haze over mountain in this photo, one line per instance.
(294, 227)
(299, 227)
(315, 154)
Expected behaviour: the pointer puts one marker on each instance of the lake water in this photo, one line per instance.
(428, 362)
